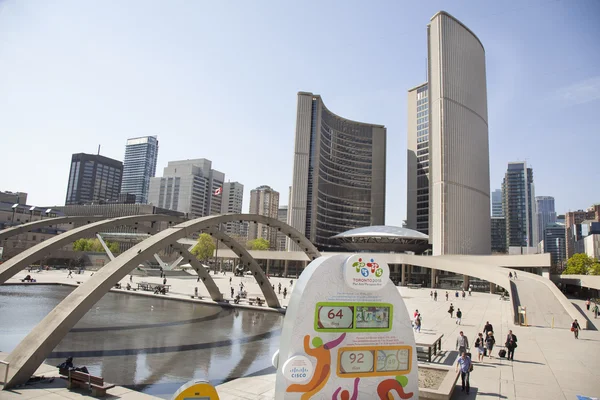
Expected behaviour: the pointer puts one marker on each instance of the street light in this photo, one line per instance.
(14, 208)
(31, 213)
(48, 211)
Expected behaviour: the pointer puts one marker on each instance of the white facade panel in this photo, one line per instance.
(459, 161)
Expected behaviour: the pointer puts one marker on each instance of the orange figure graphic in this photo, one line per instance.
(322, 369)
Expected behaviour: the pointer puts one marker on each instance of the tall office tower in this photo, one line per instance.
(282, 214)
(93, 179)
(498, 235)
(188, 186)
(339, 174)
(232, 199)
(264, 201)
(554, 243)
(497, 203)
(545, 215)
(519, 206)
(417, 216)
(458, 139)
(139, 166)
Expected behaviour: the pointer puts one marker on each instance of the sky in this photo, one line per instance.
(219, 80)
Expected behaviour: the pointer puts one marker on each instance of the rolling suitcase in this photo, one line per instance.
(502, 353)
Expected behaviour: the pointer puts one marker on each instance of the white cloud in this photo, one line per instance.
(581, 92)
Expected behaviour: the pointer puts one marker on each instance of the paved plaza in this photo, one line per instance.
(549, 363)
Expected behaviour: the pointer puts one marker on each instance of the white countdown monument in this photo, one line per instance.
(346, 335)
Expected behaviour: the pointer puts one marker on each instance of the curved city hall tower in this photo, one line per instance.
(339, 174)
(459, 150)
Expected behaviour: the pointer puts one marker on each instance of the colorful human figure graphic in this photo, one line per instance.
(385, 388)
(323, 368)
(345, 395)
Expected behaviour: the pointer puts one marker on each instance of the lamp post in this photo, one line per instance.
(14, 208)
(31, 213)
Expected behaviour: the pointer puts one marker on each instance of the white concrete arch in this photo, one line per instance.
(29, 226)
(211, 286)
(23, 259)
(40, 342)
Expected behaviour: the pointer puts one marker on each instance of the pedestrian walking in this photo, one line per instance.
(515, 275)
(130, 278)
(279, 286)
(446, 295)
(431, 294)
(470, 290)
(510, 275)
(463, 294)
(511, 345)
(435, 296)
(196, 291)
(284, 293)
(480, 345)
(458, 316)
(490, 341)
(70, 274)
(487, 328)
(418, 323)
(415, 314)
(230, 279)
(587, 304)
(451, 311)
(165, 281)
(232, 291)
(465, 365)
(575, 329)
(291, 282)
(456, 294)
(462, 343)
(596, 310)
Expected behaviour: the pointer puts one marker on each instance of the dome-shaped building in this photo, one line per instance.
(383, 238)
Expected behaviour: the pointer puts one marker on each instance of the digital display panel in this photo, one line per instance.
(372, 317)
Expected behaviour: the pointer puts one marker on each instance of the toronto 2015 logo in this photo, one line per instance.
(366, 268)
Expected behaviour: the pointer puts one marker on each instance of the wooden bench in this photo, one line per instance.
(432, 346)
(258, 301)
(94, 383)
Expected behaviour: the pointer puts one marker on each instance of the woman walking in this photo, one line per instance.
(480, 345)
(489, 343)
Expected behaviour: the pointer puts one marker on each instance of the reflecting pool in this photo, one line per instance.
(149, 344)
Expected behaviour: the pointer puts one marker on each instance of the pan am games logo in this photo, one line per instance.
(365, 273)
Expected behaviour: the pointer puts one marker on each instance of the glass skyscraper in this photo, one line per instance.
(139, 166)
(497, 203)
(546, 214)
(519, 206)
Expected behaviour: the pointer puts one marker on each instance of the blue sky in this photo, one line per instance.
(218, 80)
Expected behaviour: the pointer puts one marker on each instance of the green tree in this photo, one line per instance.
(94, 246)
(594, 268)
(259, 244)
(204, 249)
(579, 264)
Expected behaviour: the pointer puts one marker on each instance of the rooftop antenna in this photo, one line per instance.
(98, 149)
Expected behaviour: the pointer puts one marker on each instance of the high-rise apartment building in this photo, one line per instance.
(519, 206)
(93, 179)
(141, 155)
(264, 201)
(546, 214)
(188, 186)
(339, 173)
(497, 203)
(459, 170)
(418, 160)
(282, 214)
(231, 203)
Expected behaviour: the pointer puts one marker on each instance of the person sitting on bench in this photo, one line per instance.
(117, 285)
(237, 299)
(128, 286)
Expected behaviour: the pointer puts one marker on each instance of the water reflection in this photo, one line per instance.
(150, 344)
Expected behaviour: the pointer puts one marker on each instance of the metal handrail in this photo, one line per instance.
(5, 373)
